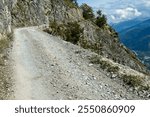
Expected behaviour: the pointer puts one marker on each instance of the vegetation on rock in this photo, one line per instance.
(101, 19)
(87, 12)
(71, 3)
(70, 32)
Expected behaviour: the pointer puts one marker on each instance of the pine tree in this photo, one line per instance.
(101, 19)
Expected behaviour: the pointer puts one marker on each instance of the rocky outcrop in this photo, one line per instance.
(5, 16)
(38, 12)
(106, 43)
(65, 19)
(20, 13)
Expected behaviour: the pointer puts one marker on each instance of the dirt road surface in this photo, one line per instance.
(47, 68)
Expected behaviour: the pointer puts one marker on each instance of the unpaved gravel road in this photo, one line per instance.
(46, 67)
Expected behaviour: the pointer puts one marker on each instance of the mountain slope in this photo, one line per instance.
(57, 13)
(137, 38)
(46, 67)
(105, 62)
(127, 24)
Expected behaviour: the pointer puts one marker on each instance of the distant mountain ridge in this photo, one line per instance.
(135, 34)
(127, 24)
(137, 37)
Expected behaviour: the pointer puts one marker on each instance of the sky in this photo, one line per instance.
(120, 10)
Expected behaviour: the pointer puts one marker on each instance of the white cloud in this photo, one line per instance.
(147, 3)
(127, 13)
(121, 10)
(113, 17)
(122, 14)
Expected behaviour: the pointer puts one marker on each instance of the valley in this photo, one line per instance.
(135, 34)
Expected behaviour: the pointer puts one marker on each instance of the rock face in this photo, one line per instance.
(5, 16)
(110, 58)
(20, 13)
(38, 12)
(110, 46)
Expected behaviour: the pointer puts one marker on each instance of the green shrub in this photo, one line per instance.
(73, 32)
(71, 3)
(54, 28)
(87, 11)
(104, 64)
(47, 30)
(70, 32)
(113, 69)
(108, 67)
(131, 80)
(113, 32)
(101, 19)
(93, 46)
(3, 44)
(95, 59)
(5, 41)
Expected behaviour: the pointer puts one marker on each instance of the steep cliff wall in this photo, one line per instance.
(38, 12)
(20, 13)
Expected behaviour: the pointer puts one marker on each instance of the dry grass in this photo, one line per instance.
(104, 64)
(4, 44)
(4, 69)
(133, 81)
